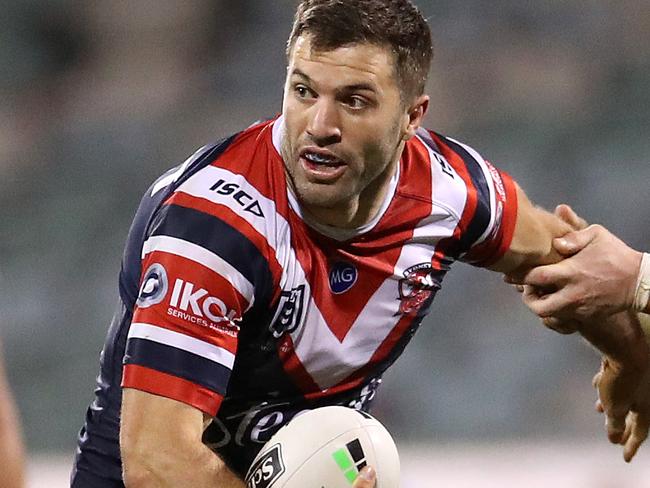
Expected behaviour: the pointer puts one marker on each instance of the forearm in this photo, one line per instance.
(532, 242)
(621, 338)
(170, 467)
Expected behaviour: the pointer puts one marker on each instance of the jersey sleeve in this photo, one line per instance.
(194, 290)
(502, 208)
(486, 226)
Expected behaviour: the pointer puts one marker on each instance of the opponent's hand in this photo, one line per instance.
(637, 421)
(598, 278)
(366, 478)
(532, 294)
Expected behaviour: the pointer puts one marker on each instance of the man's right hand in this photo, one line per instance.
(366, 478)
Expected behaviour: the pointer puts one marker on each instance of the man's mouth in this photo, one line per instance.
(322, 166)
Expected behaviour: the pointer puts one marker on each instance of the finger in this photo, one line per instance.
(561, 326)
(551, 276)
(576, 241)
(366, 478)
(629, 424)
(549, 305)
(567, 214)
(596, 379)
(615, 425)
(639, 435)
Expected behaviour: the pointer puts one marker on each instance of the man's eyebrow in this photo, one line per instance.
(347, 88)
(297, 72)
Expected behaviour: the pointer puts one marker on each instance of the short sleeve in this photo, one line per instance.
(183, 337)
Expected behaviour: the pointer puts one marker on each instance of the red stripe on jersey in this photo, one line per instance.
(471, 203)
(168, 386)
(233, 219)
(382, 352)
(411, 204)
(171, 314)
(317, 254)
(294, 368)
(251, 147)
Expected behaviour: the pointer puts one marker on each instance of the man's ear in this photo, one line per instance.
(415, 115)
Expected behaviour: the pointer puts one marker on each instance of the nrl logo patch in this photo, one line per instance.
(419, 285)
(266, 470)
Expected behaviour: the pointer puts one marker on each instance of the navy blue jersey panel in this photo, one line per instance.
(179, 363)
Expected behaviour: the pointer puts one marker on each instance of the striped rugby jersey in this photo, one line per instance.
(233, 303)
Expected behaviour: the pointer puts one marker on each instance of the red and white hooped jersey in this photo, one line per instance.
(236, 305)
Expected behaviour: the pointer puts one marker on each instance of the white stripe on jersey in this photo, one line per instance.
(490, 183)
(167, 180)
(449, 197)
(200, 255)
(168, 337)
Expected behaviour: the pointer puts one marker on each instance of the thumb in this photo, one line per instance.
(575, 241)
(567, 214)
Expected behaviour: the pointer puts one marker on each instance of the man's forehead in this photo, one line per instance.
(362, 59)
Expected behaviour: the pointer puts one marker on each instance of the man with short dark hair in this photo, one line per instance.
(288, 266)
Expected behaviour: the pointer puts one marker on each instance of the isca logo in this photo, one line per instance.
(266, 470)
(350, 459)
(342, 277)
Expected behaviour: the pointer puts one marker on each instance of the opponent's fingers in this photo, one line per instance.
(561, 326)
(639, 433)
(576, 241)
(615, 425)
(599, 406)
(566, 213)
(550, 276)
(549, 305)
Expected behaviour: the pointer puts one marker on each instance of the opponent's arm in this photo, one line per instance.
(160, 442)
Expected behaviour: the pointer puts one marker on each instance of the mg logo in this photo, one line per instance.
(342, 277)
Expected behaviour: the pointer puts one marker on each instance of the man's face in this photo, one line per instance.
(344, 124)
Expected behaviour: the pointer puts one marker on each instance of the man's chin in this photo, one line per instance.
(320, 196)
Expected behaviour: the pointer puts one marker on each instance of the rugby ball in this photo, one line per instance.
(326, 448)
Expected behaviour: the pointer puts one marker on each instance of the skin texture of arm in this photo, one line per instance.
(12, 473)
(532, 242)
(160, 441)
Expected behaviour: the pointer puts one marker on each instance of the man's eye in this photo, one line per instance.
(302, 91)
(357, 102)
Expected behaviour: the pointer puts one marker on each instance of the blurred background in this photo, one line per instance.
(99, 98)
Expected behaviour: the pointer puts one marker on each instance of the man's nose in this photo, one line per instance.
(324, 125)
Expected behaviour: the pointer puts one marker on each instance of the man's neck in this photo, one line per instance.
(360, 210)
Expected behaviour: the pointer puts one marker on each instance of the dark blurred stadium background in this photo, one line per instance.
(98, 98)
